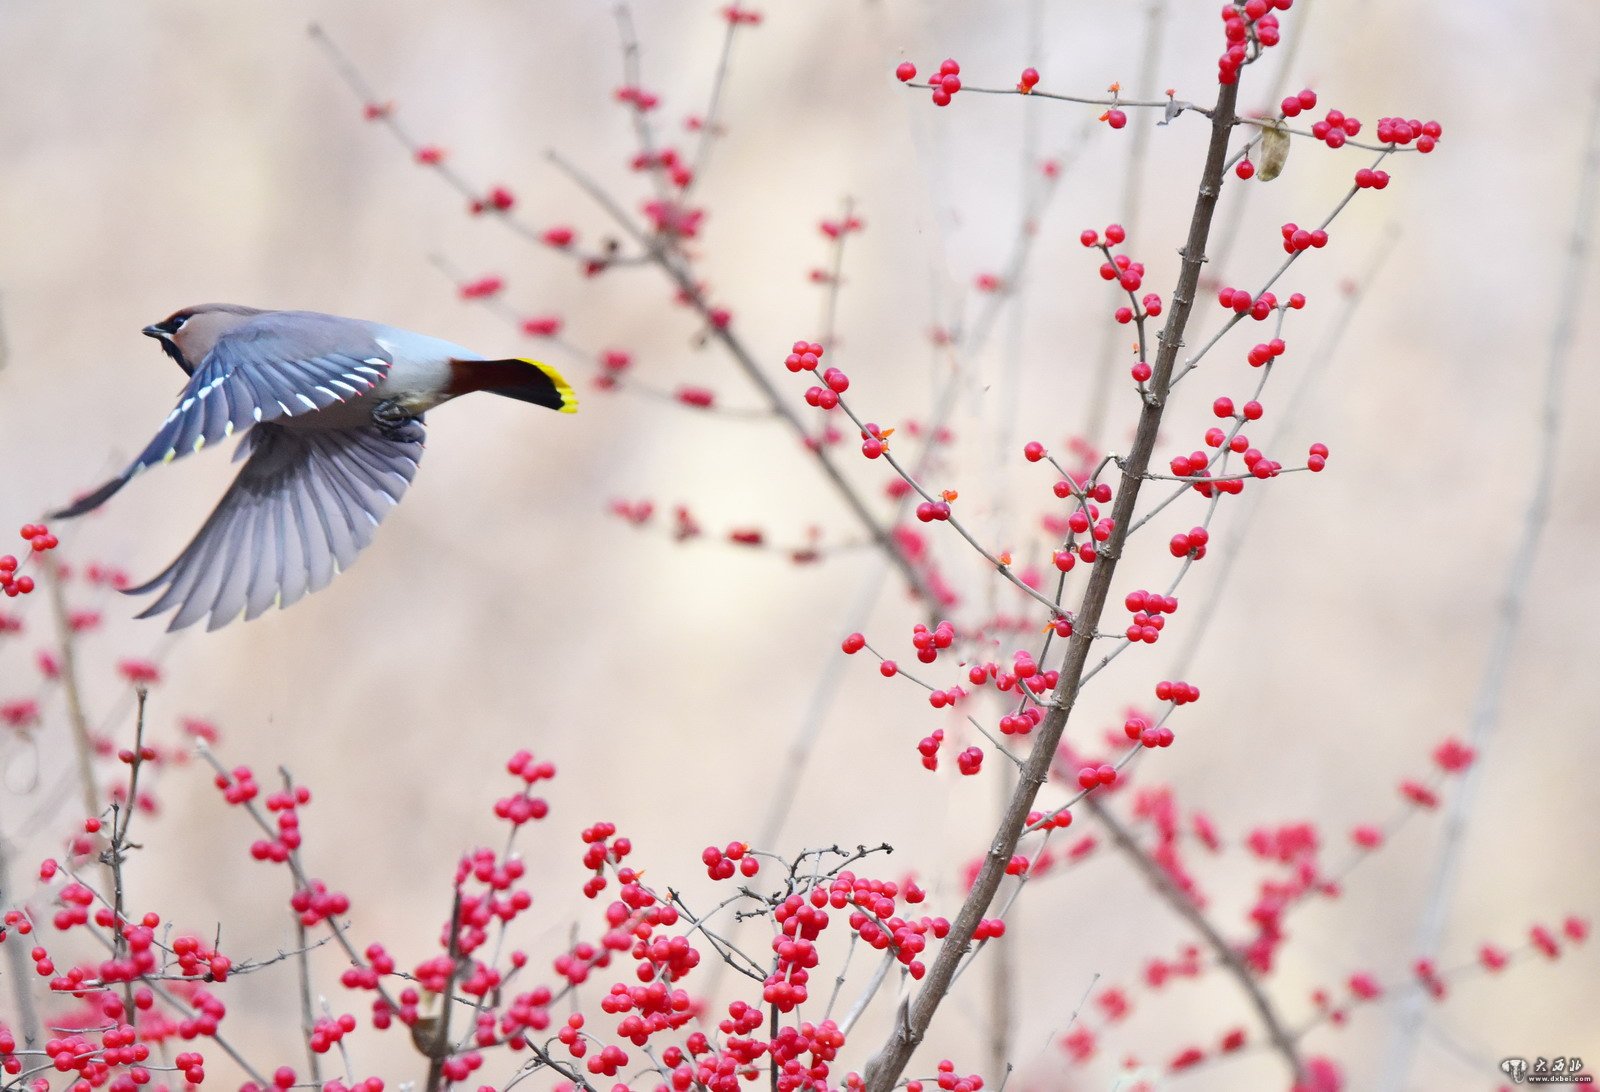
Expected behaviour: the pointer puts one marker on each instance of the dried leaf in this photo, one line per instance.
(1274, 150)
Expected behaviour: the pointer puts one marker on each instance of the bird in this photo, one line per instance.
(331, 412)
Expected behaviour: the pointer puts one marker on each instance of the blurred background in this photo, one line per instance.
(168, 153)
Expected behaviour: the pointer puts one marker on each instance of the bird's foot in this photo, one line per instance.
(393, 419)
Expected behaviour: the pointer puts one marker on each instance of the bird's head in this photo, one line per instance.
(188, 335)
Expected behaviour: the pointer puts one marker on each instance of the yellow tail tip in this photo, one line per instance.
(569, 397)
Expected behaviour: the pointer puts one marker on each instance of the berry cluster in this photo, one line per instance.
(1249, 27)
(13, 582)
(1148, 610)
(721, 864)
(1141, 731)
(1401, 131)
(945, 85)
(1297, 238)
(1259, 308)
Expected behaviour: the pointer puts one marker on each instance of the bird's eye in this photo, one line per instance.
(175, 323)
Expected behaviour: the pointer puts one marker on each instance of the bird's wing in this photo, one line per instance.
(278, 365)
(304, 505)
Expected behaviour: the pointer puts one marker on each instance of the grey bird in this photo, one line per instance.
(331, 409)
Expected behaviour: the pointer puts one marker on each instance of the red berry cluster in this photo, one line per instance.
(603, 849)
(1266, 351)
(939, 510)
(1297, 238)
(1247, 24)
(1240, 302)
(930, 642)
(1178, 693)
(1295, 105)
(283, 805)
(969, 761)
(735, 856)
(1196, 465)
(39, 540)
(1335, 128)
(1020, 724)
(1141, 731)
(637, 97)
(1369, 179)
(678, 221)
(1400, 131)
(498, 199)
(946, 83)
(1024, 672)
(482, 288)
(523, 806)
(875, 441)
(1148, 609)
(928, 748)
(668, 162)
(1093, 777)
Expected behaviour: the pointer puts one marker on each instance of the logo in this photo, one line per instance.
(1557, 1070)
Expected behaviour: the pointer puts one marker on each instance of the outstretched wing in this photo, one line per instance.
(280, 364)
(304, 505)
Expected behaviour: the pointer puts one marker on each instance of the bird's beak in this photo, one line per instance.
(153, 331)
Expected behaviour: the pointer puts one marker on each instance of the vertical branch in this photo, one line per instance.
(885, 1068)
(308, 1019)
(436, 1044)
(116, 853)
(1513, 598)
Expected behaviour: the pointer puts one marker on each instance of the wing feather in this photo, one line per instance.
(277, 364)
(304, 505)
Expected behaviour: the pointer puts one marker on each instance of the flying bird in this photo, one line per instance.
(331, 410)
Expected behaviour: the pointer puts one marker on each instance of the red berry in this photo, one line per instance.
(1245, 170)
(906, 72)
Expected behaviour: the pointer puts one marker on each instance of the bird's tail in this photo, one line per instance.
(524, 380)
(90, 501)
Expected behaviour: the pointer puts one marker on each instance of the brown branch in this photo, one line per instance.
(889, 1063)
(116, 852)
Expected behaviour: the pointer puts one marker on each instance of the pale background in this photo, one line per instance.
(163, 154)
